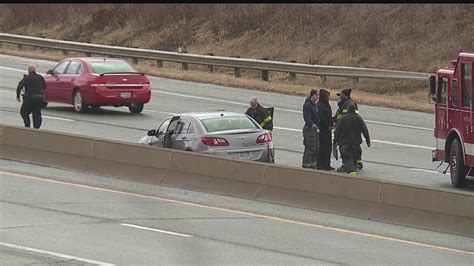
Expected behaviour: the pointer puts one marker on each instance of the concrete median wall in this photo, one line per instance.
(366, 198)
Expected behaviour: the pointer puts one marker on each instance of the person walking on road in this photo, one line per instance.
(33, 85)
(311, 130)
(260, 114)
(325, 130)
(345, 100)
(348, 136)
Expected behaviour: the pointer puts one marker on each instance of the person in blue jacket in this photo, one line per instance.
(311, 130)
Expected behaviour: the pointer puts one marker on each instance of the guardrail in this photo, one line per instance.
(236, 63)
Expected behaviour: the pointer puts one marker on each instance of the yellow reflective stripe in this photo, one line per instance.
(266, 120)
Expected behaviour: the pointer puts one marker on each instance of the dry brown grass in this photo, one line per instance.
(413, 100)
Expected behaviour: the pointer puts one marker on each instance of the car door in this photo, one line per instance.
(67, 81)
(157, 140)
(181, 137)
(53, 92)
(170, 130)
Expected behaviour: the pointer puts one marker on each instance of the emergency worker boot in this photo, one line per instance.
(353, 173)
(341, 170)
(359, 164)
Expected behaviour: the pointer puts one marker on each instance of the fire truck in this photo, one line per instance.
(451, 89)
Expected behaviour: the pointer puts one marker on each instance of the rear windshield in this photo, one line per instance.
(99, 67)
(228, 123)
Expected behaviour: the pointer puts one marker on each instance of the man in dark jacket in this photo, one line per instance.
(325, 128)
(311, 130)
(347, 136)
(34, 85)
(260, 114)
(345, 99)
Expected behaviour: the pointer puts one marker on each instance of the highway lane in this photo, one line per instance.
(49, 215)
(402, 140)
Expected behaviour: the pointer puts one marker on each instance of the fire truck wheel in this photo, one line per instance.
(456, 165)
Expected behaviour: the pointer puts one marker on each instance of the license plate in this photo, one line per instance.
(126, 95)
(245, 156)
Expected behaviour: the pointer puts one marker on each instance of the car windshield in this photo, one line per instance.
(226, 123)
(110, 66)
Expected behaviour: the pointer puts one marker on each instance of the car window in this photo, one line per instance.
(110, 66)
(59, 69)
(163, 126)
(183, 126)
(73, 68)
(223, 123)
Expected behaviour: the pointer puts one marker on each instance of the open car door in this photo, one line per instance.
(170, 131)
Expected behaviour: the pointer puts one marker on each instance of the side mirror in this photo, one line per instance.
(432, 85)
(151, 132)
(50, 72)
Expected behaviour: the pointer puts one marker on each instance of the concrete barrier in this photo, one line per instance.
(366, 198)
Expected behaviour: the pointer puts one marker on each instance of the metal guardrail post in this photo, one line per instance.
(210, 68)
(265, 72)
(159, 63)
(292, 75)
(323, 80)
(184, 65)
(237, 72)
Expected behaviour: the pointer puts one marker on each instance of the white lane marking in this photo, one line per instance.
(63, 256)
(398, 125)
(282, 109)
(15, 69)
(58, 118)
(428, 171)
(156, 230)
(372, 140)
(10, 92)
(156, 111)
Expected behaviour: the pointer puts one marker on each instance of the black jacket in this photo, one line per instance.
(34, 85)
(262, 117)
(349, 128)
(342, 109)
(310, 113)
(325, 115)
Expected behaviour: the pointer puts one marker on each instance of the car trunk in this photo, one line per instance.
(129, 81)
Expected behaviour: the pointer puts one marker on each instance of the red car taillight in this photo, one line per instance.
(213, 141)
(264, 138)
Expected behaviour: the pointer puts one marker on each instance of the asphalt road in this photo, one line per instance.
(52, 216)
(401, 140)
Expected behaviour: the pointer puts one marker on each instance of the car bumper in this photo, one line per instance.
(261, 154)
(117, 97)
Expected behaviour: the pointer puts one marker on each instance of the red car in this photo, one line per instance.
(93, 82)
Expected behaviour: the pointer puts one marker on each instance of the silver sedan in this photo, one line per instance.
(228, 134)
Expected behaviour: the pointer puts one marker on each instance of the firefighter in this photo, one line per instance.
(325, 129)
(347, 136)
(345, 99)
(311, 130)
(34, 85)
(260, 114)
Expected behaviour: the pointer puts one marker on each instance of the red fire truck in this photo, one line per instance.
(452, 90)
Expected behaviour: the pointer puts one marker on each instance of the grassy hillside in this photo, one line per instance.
(406, 37)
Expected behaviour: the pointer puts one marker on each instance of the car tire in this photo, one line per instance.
(78, 102)
(136, 108)
(457, 168)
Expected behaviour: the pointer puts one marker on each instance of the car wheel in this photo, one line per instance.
(136, 108)
(456, 165)
(78, 102)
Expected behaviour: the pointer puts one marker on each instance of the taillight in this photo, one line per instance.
(264, 138)
(213, 141)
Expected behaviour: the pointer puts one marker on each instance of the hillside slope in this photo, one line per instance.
(406, 37)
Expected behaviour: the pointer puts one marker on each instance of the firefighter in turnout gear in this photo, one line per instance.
(260, 114)
(348, 136)
(345, 100)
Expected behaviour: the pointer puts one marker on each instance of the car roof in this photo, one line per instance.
(211, 114)
(94, 59)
